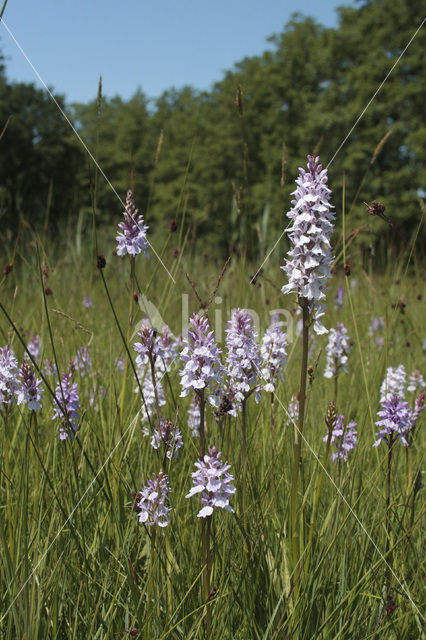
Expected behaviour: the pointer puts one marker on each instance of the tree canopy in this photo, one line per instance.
(227, 158)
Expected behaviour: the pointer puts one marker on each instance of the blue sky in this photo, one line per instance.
(134, 43)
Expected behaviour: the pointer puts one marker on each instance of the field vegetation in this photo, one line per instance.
(186, 451)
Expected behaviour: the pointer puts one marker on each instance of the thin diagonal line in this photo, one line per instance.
(73, 511)
(267, 257)
(351, 131)
(62, 527)
(83, 496)
(377, 90)
(64, 115)
(342, 496)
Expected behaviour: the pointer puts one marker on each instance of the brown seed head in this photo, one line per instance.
(212, 594)
(375, 208)
(7, 269)
(168, 427)
(136, 499)
(399, 305)
(331, 417)
(256, 275)
(390, 604)
(224, 407)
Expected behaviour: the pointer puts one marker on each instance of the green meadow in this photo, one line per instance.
(315, 534)
(75, 561)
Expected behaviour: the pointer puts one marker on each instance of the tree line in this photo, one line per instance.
(226, 159)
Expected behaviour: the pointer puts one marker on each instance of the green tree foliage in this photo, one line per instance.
(38, 157)
(118, 134)
(217, 157)
(362, 51)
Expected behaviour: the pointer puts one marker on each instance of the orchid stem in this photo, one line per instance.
(297, 458)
